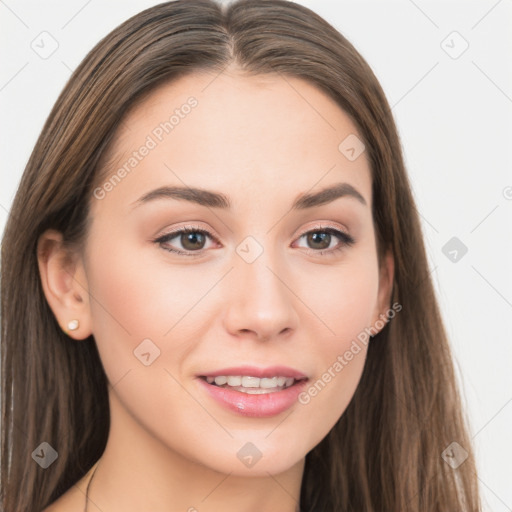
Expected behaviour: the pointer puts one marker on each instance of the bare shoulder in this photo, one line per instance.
(68, 502)
(73, 500)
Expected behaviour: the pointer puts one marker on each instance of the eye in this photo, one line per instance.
(322, 237)
(191, 238)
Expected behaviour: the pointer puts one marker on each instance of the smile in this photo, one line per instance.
(254, 393)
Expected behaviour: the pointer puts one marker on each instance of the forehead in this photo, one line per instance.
(235, 132)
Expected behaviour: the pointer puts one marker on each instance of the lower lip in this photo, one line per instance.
(261, 406)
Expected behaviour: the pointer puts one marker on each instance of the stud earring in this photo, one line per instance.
(73, 325)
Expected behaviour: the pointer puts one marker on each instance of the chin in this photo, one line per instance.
(252, 455)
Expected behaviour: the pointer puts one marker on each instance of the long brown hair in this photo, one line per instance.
(385, 452)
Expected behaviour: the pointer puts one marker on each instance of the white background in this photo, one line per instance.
(455, 121)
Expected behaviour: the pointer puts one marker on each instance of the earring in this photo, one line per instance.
(73, 325)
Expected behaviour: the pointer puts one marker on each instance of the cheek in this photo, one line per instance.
(344, 301)
(136, 297)
(342, 298)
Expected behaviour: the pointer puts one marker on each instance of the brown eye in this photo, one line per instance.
(191, 240)
(319, 240)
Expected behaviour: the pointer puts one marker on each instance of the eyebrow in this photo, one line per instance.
(212, 199)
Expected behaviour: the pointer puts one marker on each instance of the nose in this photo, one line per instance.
(261, 304)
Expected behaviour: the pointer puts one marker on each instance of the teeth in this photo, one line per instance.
(233, 381)
(267, 383)
(250, 382)
(256, 391)
(252, 385)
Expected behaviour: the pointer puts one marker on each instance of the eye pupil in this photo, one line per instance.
(193, 237)
(319, 237)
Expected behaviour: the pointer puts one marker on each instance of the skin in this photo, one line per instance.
(262, 141)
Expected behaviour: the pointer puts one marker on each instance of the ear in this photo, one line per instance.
(64, 283)
(386, 277)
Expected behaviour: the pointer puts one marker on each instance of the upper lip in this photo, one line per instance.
(254, 371)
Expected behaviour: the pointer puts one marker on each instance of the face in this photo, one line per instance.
(256, 287)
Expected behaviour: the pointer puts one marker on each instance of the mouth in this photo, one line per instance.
(254, 392)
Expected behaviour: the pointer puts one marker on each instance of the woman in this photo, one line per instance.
(178, 332)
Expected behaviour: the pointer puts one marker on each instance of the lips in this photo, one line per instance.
(252, 391)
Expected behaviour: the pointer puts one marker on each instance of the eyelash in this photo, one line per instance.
(346, 240)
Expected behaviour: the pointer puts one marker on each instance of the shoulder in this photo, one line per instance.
(73, 500)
